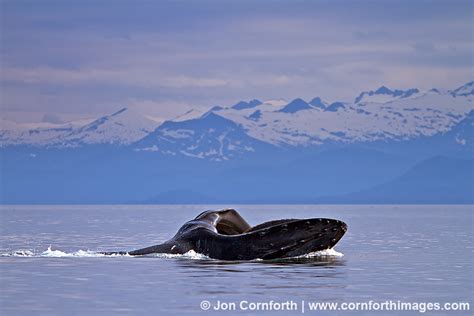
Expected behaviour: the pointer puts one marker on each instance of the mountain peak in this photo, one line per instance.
(122, 127)
(122, 110)
(295, 106)
(213, 118)
(188, 115)
(255, 115)
(318, 103)
(216, 108)
(334, 107)
(409, 92)
(378, 116)
(246, 105)
(384, 94)
(383, 90)
(464, 90)
(210, 137)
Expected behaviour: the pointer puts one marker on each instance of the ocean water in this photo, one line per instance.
(396, 254)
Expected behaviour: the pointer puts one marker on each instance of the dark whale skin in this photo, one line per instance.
(225, 235)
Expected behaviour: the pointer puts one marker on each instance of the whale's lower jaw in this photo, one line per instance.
(166, 247)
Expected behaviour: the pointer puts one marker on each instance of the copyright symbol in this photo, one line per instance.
(205, 305)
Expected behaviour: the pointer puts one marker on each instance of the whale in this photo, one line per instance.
(225, 235)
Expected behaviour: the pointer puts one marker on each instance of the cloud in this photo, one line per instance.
(159, 110)
(424, 46)
(131, 76)
(52, 118)
(82, 58)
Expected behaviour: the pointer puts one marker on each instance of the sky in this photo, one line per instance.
(68, 60)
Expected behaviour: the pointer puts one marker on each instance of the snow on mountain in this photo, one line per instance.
(241, 105)
(210, 137)
(40, 134)
(295, 106)
(318, 103)
(384, 94)
(270, 105)
(120, 128)
(189, 115)
(334, 107)
(8, 125)
(405, 116)
(277, 103)
(246, 105)
(462, 132)
(465, 90)
(223, 133)
(255, 115)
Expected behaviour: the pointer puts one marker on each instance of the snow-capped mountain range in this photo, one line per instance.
(224, 133)
(120, 128)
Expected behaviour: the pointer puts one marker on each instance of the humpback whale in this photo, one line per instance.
(225, 235)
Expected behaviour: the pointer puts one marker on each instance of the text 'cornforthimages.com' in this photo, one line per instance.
(311, 306)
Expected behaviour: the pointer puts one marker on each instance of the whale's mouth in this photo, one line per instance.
(298, 237)
(326, 239)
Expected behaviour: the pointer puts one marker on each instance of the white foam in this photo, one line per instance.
(50, 253)
(323, 253)
(19, 253)
(191, 254)
(58, 254)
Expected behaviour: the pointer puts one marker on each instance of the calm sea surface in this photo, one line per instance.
(415, 254)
